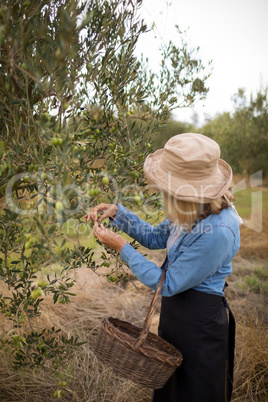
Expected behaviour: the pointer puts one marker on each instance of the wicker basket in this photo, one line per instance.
(135, 353)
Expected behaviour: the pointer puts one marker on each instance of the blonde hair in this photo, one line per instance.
(186, 212)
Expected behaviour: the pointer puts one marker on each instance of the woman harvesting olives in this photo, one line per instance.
(201, 236)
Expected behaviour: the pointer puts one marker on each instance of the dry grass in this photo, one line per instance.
(251, 373)
(88, 380)
(251, 353)
(255, 245)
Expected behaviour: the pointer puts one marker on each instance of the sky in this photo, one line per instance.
(231, 33)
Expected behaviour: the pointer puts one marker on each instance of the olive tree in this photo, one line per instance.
(77, 113)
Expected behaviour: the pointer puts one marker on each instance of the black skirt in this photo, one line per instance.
(196, 323)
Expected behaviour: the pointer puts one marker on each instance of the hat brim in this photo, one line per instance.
(200, 191)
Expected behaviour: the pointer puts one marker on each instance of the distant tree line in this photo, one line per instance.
(242, 135)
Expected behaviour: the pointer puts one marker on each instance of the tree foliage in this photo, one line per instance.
(173, 127)
(77, 115)
(243, 135)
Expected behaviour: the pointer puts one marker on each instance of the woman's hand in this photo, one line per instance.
(105, 236)
(108, 238)
(106, 211)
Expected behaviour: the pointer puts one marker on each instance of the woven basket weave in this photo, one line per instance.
(135, 353)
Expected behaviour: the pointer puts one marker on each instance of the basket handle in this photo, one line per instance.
(150, 314)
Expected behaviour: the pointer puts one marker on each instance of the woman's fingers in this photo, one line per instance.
(106, 211)
(90, 215)
(93, 213)
(108, 238)
(98, 229)
(101, 232)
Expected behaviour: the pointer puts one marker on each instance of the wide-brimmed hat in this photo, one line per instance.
(189, 168)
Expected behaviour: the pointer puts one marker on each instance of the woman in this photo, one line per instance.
(201, 235)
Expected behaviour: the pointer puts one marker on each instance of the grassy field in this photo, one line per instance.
(88, 380)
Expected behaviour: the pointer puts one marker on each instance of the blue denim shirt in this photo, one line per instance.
(200, 259)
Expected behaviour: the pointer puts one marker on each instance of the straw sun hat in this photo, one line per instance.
(189, 168)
